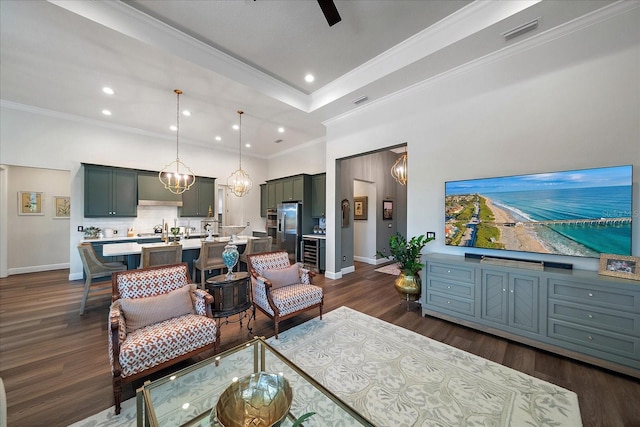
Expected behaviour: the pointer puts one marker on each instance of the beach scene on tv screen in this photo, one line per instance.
(579, 213)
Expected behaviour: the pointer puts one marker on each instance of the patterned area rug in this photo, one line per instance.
(389, 269)
(396, 377)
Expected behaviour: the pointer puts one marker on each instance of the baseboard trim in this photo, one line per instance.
(37, 268)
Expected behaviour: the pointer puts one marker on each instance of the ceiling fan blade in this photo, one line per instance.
(330, 11)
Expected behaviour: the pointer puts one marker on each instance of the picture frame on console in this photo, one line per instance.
(626, 267)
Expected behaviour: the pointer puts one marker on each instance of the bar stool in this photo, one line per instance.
(94, 268)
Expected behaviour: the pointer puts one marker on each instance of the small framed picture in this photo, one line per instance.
(61, 207)
(626, 267)
(360, 207)
(346, 211)
(387, 209)
(30, 203)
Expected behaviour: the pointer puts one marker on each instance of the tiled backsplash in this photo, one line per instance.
(148, 217)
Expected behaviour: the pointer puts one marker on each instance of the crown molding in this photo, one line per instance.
(592, 18)
(455, 27)
(131, 22)
(111, 126)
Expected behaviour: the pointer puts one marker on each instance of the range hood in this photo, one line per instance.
(151, 192)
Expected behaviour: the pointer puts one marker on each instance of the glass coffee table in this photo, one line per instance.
(187, 397)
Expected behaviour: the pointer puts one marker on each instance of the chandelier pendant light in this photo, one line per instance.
(176, 176)
(239, 182)
(399, 169)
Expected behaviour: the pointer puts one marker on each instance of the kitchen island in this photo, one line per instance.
(190, 249)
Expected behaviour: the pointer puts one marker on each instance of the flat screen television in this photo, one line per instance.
(578, 213)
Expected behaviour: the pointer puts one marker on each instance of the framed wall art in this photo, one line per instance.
(30, 203)
(61, 207)
(626, 267)
(346, 213)
(387, 209)
(360, 207)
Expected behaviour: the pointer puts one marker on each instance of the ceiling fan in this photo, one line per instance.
(330, 11)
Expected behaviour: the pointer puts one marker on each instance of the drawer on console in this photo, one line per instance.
(450, 303)
(460, 273)
(616, 321)
(598, 339)
(449, 287)
(593, 295)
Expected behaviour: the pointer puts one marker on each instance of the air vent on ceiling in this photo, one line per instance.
(521, 29)
(360, 100)
(278, 141)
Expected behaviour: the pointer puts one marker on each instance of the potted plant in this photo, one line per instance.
(407, 254)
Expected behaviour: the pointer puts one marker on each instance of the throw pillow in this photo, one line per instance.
(141, 312)
(283, 277)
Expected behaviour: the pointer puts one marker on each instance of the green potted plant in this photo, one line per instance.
(407, 254)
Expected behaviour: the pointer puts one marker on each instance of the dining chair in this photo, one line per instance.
(95, 268)
(210, 258)
(160, 255)
(255, 246)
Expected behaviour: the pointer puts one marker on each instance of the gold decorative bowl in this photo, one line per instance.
(257, 400)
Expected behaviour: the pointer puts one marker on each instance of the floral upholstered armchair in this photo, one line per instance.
(157, 318)
(280, 289)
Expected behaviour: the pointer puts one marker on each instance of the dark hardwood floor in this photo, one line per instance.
(56, 369)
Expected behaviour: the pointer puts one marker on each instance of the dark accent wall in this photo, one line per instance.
(375, 168)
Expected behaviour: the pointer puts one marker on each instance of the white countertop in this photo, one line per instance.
(314, 236)
(133, 248)
(124, 238)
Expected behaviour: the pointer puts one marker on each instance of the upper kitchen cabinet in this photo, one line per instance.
(293, 188)
(110, 192)
(197, 200)
(263, 200)
(318, 195)
(151, 192)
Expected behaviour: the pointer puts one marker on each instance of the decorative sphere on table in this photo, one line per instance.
(230, 257)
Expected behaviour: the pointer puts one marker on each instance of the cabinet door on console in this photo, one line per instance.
(524, 300)
(494, 293)
(510, 299)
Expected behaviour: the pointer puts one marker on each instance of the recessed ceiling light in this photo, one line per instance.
(309, 78)
(281, 129)
(247, 145)
(218, 138)
(108, 90)
(235, 127)
(186, 113)
(106, 112)
(173, 128)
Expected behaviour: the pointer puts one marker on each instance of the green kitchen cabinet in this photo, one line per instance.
(263, 200)
(318, 195)
(271, 195)
(110, 192)
(197, 200)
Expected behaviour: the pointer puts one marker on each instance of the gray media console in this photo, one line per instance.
(575, 313)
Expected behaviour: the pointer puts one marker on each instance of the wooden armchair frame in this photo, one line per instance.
(273, 300)
(116, 323)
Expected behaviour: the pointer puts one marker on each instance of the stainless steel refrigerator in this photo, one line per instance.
(290, 228)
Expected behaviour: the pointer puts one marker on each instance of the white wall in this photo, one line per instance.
(364, 231)
(544, 105)
(37, 242)
(308, 158)
(43, 139)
